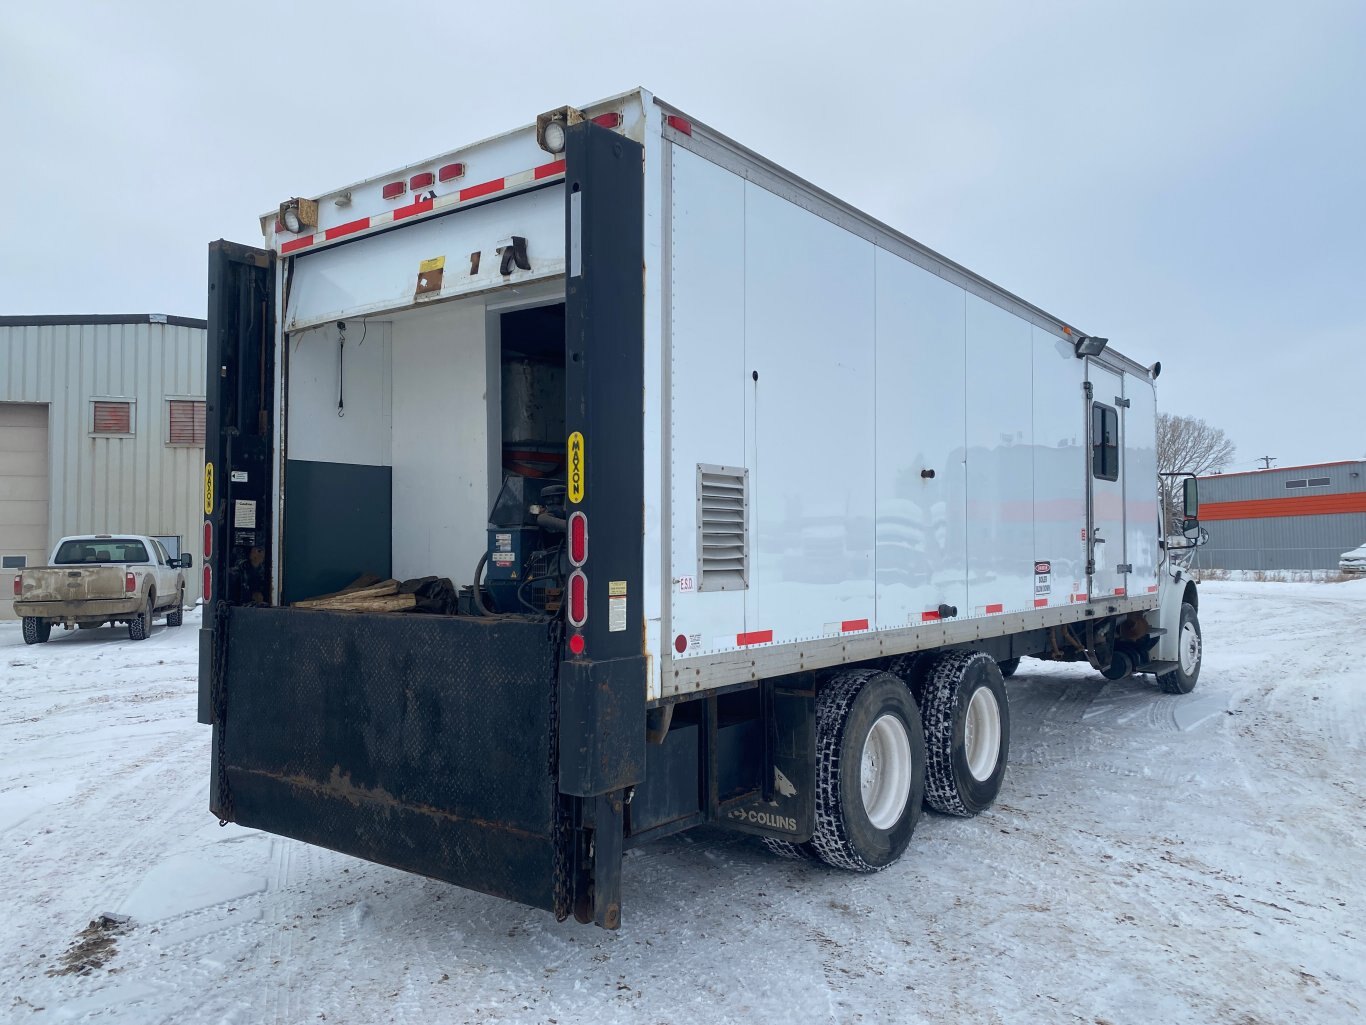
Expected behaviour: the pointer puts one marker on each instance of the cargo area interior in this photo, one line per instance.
(401, 432)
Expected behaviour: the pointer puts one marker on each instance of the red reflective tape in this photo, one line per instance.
(993, 609)
(1078, 597)
(1041, 603)
(475, 191)
(346, 229)
(756, 637)
(1119, 591)
(297, 243)
(1152, 589)
(928, 617)
(413, 209)
(849, 625)
(546, 170)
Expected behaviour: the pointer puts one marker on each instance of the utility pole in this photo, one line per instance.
(1266, 460)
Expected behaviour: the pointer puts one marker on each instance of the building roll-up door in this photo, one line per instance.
(23, 490)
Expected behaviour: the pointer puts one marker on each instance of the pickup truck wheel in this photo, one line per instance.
(967, 732)
(36, 631)
(1190, 653)
(870, 770)
(141, 624)
(176, 615)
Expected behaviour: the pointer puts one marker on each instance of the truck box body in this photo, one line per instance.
(798, 440)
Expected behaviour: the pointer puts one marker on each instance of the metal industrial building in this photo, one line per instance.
(1290, 517)
(101, 431)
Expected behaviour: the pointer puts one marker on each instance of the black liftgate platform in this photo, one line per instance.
(422, 742)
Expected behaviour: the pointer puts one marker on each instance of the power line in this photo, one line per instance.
(1266, 460)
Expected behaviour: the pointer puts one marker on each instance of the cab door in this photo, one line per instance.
(1106, 563)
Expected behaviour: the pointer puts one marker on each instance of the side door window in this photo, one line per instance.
(1104, 442)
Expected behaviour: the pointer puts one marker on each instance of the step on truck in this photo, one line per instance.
(750, 502)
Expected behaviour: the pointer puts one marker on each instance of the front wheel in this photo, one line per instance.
(870, 770)
(1190, 653)
(176, 616)
(36, 631)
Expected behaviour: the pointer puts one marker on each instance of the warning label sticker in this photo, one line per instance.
(244, 514)
(1043, 579)
(616, 614)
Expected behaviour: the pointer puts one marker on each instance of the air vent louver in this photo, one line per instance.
(722, 528)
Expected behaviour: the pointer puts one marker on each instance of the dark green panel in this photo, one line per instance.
(338, 525)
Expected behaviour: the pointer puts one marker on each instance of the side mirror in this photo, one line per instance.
(185, 561)
(1190, 527)
(1190, 498)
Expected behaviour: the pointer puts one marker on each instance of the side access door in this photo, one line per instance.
(1106, 564)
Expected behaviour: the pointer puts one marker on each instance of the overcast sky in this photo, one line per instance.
(1186, 178)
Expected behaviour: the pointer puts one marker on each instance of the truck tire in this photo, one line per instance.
(36, 631)
(1008, 667)
(141, 625)
(870, 770)
(175, 616)
(912, 669)
(788, 849)
(966, 719)
(1190, 653)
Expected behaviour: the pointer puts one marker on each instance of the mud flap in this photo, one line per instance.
(423, 743)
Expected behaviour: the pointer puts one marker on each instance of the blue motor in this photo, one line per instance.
(525, 557)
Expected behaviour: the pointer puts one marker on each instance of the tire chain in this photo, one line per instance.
(830, 840)
(937, 711)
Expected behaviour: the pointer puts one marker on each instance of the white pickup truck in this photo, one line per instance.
(94, 579)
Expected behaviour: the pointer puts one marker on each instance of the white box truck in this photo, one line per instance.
(751, 502)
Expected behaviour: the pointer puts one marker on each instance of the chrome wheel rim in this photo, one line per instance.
(982, 734)
(885, 771)
(1190, 648)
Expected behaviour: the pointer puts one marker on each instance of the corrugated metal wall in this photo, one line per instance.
(138, 484)
(1247, 487)
(1282, 541)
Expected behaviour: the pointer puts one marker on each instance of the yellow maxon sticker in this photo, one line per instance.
(427, 266)
(208, 489)
(576, 467)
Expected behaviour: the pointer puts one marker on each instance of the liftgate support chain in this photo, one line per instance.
(562, 828)
(219, 697)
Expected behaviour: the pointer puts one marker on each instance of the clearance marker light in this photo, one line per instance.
(395, 189)
(421, 181)
(578, 598)
(578, 538)
(680, 124)
(576, 644)
(612, 120)
(451, 172)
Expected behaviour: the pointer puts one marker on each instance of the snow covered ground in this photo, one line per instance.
(1152, 859)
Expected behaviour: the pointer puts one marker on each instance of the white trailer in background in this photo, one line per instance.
(778, 497)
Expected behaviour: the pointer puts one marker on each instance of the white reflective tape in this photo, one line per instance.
(575, 230)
